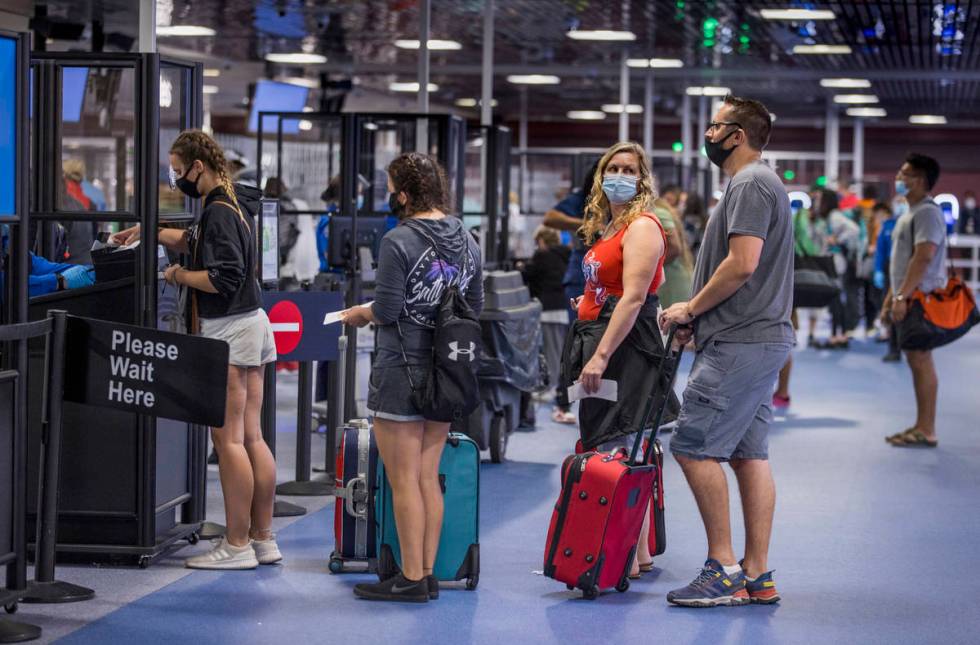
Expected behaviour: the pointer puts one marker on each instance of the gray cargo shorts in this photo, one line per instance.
(727, 404)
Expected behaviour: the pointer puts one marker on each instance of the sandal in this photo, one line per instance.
(913, 438)
(646, 567)
(560, 416)
(900, 436)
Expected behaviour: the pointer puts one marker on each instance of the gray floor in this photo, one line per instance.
(118, 586)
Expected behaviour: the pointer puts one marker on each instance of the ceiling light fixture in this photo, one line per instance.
(927, 119)
(533, 79)
(586, 115)
(410, 87)
(210, 89)
(211, 72)
(867, 112)
(664, 63)
(471, 103)
(296, 58)
(304, 124)
(822, 49)
(184, 30)
(845, 83)
(617, 108)
(798, 14)
(855, 99)
(434, 44)
(709, 90)
(600, 34)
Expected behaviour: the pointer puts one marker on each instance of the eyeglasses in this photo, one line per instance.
(718, 124)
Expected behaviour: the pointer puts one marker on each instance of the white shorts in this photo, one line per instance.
(249, 337)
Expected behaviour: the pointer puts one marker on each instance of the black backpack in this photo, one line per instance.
(452, 391)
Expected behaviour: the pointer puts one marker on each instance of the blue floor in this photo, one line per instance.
(872, 544)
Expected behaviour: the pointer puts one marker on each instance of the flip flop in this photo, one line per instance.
(915, 439)
(646, 567)
(900, 437)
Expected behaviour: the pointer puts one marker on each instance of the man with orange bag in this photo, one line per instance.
(918, 262)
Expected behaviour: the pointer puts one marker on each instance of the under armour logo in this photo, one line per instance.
(456, 351)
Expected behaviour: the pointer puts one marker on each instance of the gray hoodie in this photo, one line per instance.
(411, 281)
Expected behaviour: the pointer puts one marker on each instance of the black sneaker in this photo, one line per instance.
(399, 589)
(433, 584)
(891, 357)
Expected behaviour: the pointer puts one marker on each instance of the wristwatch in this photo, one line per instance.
(898, 297)
(62, 285)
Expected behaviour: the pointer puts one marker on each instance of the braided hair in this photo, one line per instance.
(191, 145)
(422, 180)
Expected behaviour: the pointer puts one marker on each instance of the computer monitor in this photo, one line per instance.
(271, 96)
(370, 230)
(9, 135)
(73, 83)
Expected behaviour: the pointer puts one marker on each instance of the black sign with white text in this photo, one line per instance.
(146, 371)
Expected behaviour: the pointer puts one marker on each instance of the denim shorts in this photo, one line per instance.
(390, 392)
(727, 404)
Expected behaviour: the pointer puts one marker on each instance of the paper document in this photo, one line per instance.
(608, 390)
(334, 316)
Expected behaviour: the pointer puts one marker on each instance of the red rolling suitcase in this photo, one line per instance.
(596, 523)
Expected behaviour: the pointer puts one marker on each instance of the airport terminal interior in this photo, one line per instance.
(778, 198)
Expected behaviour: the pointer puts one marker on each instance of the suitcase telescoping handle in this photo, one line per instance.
(667, 372)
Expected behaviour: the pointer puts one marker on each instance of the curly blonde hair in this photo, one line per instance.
(597, 210)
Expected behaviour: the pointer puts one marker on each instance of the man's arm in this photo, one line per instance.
(561, 221)
(735, 270)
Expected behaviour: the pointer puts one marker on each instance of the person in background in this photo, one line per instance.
(969, 222)
(918, 263)
(330, 197)
(678, 263)
(803, 244)
(880, 280)
(871, 298)
(422, 257)
(672, 194)
(842, 241)
(544, 274)
(567, 215)
(695, 219)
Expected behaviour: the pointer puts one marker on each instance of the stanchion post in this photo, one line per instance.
(280, 508)
(303, 485)
(44, 588)
(335, 405)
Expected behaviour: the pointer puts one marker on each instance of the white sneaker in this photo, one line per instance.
(225, 556)
(267, 551)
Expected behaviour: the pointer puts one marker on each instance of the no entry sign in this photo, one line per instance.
(287, 326)
(297, 323)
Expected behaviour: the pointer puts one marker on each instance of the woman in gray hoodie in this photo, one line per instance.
(412, 277)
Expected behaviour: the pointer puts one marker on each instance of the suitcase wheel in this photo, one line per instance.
(623, 585)
(472, 582)
(336, 565)
(591, 593)
(570, 587)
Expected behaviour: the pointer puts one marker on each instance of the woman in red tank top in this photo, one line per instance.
(626, 263)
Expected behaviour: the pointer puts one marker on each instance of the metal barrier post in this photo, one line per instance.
(44, 588)
(281, 508)
(304, 485)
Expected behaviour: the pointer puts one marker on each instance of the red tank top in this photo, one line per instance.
(603, 269)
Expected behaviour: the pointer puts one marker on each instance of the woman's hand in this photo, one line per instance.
(575, 302)
(592, 373)
(125, 236)
(356, 316)
(170, 273)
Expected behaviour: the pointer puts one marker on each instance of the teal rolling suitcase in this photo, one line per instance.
(459, 544)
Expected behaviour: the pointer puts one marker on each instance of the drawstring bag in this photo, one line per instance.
(939, 317)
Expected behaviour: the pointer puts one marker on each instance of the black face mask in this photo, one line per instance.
(716, 154)
(396, 207)
(187, 186)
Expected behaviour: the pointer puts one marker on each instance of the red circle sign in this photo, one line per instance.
(287, 326)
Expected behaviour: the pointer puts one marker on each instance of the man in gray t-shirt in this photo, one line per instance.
(740, 310)
(918, 263)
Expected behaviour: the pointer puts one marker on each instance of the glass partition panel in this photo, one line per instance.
(97, 139)
(474, 198)
(174, 117)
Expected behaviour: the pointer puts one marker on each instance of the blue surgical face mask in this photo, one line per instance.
(360, 202)
(619, 189)
(901, 188)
